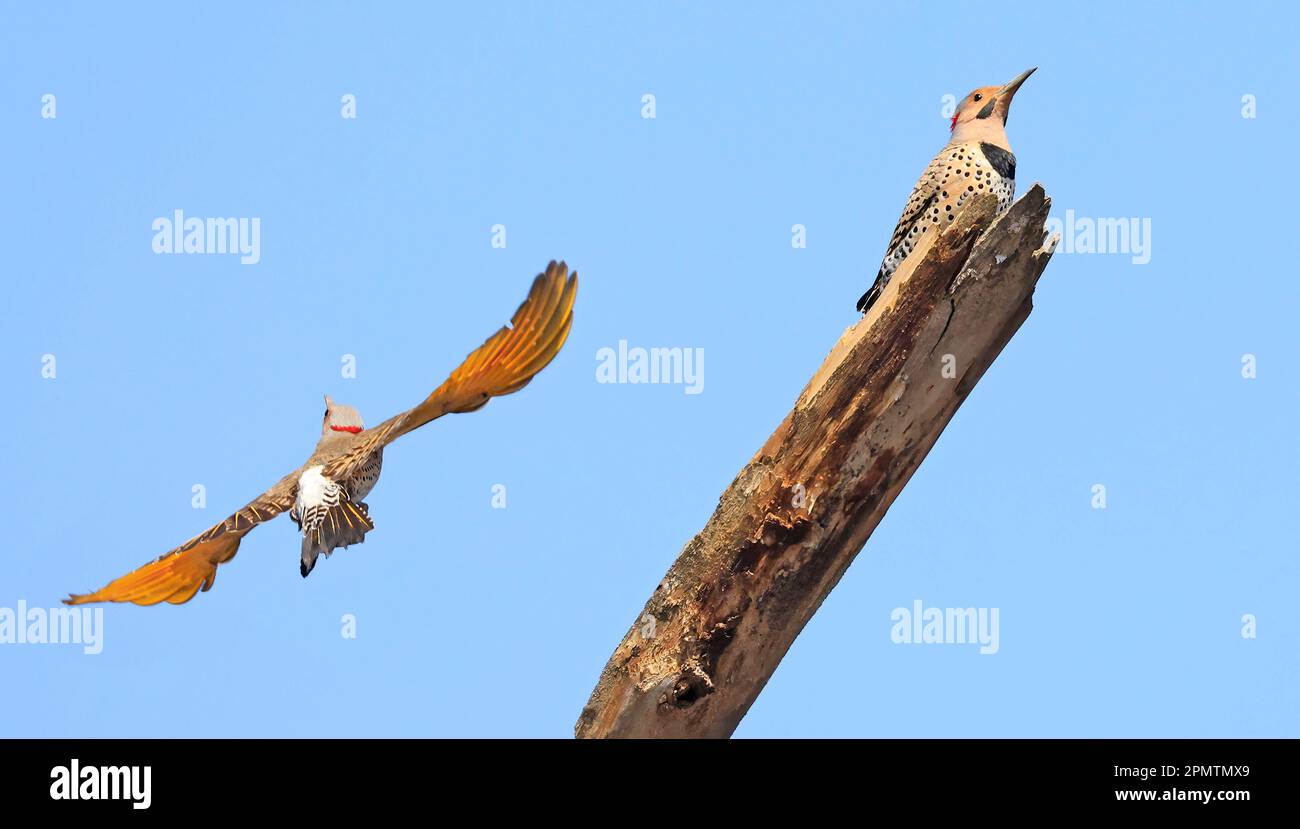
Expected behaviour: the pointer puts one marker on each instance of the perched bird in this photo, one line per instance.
(323, 496)
(977, 159)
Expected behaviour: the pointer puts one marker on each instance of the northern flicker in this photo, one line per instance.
(977, 159)
(323, 496)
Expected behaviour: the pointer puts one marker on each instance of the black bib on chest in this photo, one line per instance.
(1002, 161)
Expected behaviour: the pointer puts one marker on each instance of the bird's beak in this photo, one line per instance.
(1006, 93)
(1010, 88)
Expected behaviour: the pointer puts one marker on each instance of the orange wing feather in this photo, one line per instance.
(174, 578)
(504, 364)
(179, 574)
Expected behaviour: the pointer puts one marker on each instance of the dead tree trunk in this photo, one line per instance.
(788, 527)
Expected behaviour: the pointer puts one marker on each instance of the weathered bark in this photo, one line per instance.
(790, 524)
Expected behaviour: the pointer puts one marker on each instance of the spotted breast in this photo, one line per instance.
(958, 172)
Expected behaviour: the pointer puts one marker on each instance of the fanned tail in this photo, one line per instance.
(338, 526)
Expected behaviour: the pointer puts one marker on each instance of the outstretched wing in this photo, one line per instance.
(504, 364)
(177, 575)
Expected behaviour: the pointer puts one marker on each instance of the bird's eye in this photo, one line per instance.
(979, 97)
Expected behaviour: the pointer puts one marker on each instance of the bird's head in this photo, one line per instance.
(983, 113)
(340, 417)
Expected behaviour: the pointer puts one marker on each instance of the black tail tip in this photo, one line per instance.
(873, 293)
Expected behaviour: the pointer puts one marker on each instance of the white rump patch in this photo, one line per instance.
(315, 491)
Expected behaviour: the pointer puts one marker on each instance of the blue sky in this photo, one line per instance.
(376, 241)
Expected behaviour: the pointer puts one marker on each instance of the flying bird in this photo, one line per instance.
(324, 495)
(977, 159)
